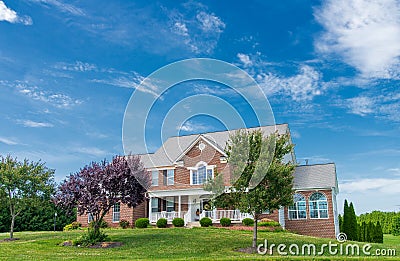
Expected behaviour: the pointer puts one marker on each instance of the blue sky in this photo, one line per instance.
(331, 69)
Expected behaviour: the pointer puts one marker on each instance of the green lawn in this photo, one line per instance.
(172, 243)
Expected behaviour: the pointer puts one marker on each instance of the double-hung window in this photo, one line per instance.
(154, 205)
(116, 212)
(170, 204)
(154, 178)
(170, 176)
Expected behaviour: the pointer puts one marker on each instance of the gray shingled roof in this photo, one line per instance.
(315, 176)
(173, 147)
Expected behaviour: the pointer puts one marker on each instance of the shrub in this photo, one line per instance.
(142, 222)
(248, 222)
(205, 222)
(269, 224)
(76, 225)
(178, 222)
(124, 223)
(72, 226)
(225, 222)
(162, 223)
(90, 238)
(103, 224)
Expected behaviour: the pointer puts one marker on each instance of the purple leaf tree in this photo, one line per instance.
(98, 186)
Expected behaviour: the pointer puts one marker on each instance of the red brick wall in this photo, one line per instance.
(313, 227)
(125, 213)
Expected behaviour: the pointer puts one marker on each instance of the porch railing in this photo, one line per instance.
(169, 216)
(234, 215)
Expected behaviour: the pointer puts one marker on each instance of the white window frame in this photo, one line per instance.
(90, 217)
(296, 209)
(154, 173)
(170, 200)
(194, 171)
(170, 177)
(318, 209)
(116, 215)
(154, 205)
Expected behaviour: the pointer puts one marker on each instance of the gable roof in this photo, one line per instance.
(318, 176)
(174, 147)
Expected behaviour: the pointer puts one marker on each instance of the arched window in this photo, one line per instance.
(298, 209)
(201, 173)
(318, 205)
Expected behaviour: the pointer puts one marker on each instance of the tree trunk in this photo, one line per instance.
(255, 232)
(12, 226)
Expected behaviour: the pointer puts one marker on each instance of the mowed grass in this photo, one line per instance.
(168, 244)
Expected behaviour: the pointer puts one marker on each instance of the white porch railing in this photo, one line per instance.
(234, 215)
(154, 216)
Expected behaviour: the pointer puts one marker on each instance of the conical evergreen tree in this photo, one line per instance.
(340, 223)
(379, 233)
(345, 225)
(352, 223)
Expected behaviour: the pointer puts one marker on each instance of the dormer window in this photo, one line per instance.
(201, 173)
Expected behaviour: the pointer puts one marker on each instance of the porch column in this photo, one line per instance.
(150, 208)
(179, 206)
(215, 213)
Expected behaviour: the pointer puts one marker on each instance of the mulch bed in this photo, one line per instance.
(9, 239)
(107, 245)
(248, 228)
(98, 245)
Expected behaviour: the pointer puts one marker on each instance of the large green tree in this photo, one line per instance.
(262, 180)
(23, 184)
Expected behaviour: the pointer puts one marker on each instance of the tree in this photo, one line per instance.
(379, 233)
(396, 226)
(262, 180)
(340, 217)
(22, 184)
(99, 186)
(353, 233)
(346, 218)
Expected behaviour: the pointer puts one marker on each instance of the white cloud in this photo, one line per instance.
(63, 7)
(361, 105)
(181, 29)
(210, 22)
(135, 81)
(78, 66)
(34, 124)
(395, 171)
(9, 15)
(364, 33)
(93, 151)
(301, 87)
(381, 185)
(190, 126)
(8, 141)
(56, 99)
(245, 59)
(385, 106)
(199, 31)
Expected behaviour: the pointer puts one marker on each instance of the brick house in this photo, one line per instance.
(183, 163)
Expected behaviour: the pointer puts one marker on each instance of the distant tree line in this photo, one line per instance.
(26, 189)
(368, 227)
(386, 219)
(39, 218)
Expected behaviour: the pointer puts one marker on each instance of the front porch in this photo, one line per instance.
(190, 205)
